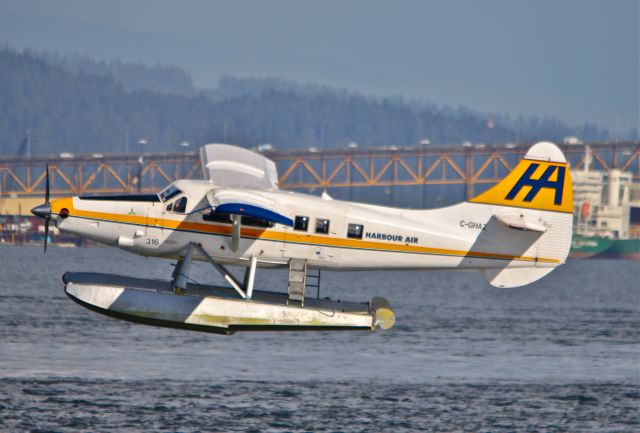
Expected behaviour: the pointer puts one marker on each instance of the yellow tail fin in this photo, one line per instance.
(540, 181)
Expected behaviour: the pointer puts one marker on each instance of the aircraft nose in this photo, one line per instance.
(42, 211)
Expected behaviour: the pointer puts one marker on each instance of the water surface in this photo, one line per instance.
(562, 354)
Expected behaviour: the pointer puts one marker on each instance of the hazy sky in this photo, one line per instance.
(577, 59)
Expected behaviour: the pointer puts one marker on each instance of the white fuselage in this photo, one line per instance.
(463, 236)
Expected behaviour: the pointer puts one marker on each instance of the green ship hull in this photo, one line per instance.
(584, 247)
(623, 249)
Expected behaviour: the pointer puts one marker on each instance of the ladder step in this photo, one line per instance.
(296, 277)
(298, 265)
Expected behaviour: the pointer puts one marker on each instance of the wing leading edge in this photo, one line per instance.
(255, 212)
(247, 203)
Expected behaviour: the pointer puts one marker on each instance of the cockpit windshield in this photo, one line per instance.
(169, 192)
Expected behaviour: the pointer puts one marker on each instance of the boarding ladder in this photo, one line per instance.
(300, 279)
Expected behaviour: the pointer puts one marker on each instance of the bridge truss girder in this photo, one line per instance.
(21, 177)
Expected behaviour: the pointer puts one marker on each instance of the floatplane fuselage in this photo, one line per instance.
(515, 233)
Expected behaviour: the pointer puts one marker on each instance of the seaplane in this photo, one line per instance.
(514, 233)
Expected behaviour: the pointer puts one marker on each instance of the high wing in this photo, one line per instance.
(237, 176)
(234, 167)
(239, 202)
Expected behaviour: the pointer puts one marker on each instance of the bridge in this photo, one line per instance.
(390, 172)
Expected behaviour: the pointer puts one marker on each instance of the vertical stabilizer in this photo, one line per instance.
(541, 180)
(536, 197)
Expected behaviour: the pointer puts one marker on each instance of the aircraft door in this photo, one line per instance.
(311, 238)
(173, 212)
(298, 239)
(173, 201)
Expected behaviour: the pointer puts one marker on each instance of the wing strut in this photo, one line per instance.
(249, 276)
(181, 272)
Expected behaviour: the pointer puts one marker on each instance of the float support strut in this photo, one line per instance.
(249, 276)
(223, 271)
(181, 272)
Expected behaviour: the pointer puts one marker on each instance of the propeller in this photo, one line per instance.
(44, 210)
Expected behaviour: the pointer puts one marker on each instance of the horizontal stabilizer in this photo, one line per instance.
(519, 222)
(514, 277)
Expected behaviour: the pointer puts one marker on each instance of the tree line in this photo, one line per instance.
(84, 106)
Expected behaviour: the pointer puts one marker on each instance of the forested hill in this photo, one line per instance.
(133, 76)
(89, 108)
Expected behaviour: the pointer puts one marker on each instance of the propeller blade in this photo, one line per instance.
(46, 186)
(46, 233)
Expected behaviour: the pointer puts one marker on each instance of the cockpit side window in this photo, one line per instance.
(169, 192)
(180, 205)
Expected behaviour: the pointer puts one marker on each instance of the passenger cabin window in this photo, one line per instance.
(169, 192)
(322, 226)
(180, 205)
(217, 217)
(355, 231)
(301, 223)
(225, 218)
(255, 222)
